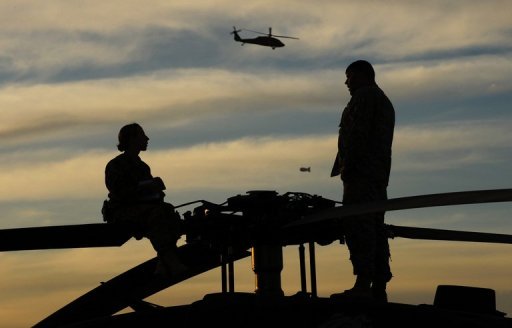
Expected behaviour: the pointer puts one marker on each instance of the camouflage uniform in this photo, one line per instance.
(364, 163)
(146, 211)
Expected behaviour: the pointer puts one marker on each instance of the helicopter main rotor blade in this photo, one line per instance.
(133, 286)
(283, 36)
(448, 235)
(66, 236)
(272, 35)
(255, 31)
(432, 200)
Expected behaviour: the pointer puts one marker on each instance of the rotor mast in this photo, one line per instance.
(267, 264)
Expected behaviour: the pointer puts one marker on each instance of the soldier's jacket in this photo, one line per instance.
(365, 137)
(123, 177)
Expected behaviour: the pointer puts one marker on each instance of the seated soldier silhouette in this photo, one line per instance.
(137, 198)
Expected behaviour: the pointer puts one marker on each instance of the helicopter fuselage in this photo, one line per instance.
(266, 41)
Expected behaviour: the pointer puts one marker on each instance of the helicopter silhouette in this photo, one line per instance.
(259, 224)
(269, 40)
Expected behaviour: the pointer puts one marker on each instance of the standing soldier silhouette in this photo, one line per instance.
(363, 162)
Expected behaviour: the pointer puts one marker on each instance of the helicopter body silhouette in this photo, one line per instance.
(268, 40)
(259, 224)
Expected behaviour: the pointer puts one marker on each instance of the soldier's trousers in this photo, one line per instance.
(158, 222)
(365, 235)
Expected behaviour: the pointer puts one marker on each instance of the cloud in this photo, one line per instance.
(453, 135)
(170, 98)
(250, 163)
(418, 29)
(224, 119)
(451, 145)
(173, 98)
(89, 42)
(447, 80)
(242, 164)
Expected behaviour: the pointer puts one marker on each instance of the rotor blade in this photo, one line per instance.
(283, 36)
(255, 31)
(134, 285)
(451, 235)
(269, 34)
(67, 236)
(432, 200)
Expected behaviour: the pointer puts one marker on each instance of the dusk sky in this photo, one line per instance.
(224, 119)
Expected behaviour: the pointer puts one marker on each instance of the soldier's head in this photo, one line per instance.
(132, 138)
(359, 74)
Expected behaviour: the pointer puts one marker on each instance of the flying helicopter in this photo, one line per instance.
(269, 40)
(259, 224)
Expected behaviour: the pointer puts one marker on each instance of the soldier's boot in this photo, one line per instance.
(363, 282)
(169, 264)
(361, 290)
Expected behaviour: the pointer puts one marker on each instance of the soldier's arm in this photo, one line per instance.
(358, 143)
(119, 183)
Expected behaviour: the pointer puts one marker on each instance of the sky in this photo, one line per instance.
(224, 119)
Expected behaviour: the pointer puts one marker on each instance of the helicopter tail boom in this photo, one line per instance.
(235, 34)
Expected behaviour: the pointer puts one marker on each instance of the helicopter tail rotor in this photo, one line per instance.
(235, 34)
(235, 30)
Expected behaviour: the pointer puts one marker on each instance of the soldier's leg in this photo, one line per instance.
(360, 239)
(162, 225)
(382, 256)
(163, 230)
(360, 235)
(382, 253)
